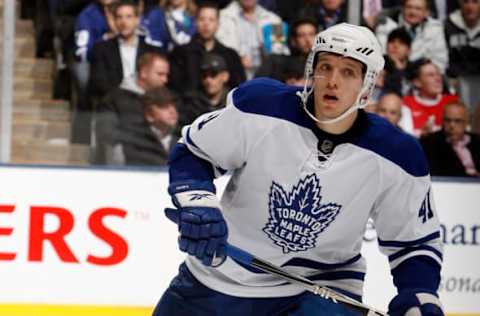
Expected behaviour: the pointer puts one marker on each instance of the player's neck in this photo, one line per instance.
(339, 127)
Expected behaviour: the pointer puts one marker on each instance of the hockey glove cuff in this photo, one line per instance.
(415, 302)
(203, 230)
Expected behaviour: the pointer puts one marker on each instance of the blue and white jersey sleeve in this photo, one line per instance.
(224, 137)
(404, 213)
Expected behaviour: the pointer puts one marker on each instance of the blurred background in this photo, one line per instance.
(94, 94)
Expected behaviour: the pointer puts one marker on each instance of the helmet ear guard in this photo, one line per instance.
(356, 42)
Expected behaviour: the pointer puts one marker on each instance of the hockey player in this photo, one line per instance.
(308, 171)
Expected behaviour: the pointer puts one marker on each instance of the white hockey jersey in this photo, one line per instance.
(300, 198)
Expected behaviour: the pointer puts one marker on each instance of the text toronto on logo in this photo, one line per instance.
(298, 217)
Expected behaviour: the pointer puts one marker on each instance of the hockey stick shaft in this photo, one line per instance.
(250, 260)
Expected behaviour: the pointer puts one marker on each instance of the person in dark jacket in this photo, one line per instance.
(122, 108)
(150, 143)
(396, 62)
(213, 93)
(326, 12)
(185, 59)
(462, 32)
(453, 151)
(301, 37)
(115, 59)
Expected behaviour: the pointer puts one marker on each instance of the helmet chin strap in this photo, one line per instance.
(359, 104)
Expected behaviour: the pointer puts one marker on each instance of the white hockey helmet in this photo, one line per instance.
(348, 40)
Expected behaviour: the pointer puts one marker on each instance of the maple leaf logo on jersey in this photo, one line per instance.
(297, 218)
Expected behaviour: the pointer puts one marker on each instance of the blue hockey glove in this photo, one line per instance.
(203, 233)
(416, 302)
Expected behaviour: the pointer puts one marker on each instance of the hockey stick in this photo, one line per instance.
(250, 260)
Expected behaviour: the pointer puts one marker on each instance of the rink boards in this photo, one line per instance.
(95, 242)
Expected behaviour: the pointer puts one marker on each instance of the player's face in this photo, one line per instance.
(415, 11)
(207, 23)
(161, 117)
(389, 107)
(126, 20)
(429, 82)
(455, 121)
(304, 37)
(337, 83)
(156, 75)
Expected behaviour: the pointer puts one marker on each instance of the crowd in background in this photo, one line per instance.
(136, 71)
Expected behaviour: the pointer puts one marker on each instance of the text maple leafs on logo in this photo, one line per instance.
(297, 218)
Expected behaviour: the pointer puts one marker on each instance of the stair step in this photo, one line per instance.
(41, 104)
(24, 45)
(33, 88)
(27, 129)
(52, 153)
(38, 113)
(23, 27)
(41, 126)
(34, 68)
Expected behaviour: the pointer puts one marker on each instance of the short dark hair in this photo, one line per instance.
(415, 67)
(294, 68)
(208, 5)
(300, 20)
(159, 97)
(146, 59)
(125, 3)
(402, 35)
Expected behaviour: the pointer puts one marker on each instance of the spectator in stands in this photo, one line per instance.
(428, 39)
(122, 106)
(186, 59)
(241, 28)
(172, 23)
(294, 71)
(325, 12)
(148, 5)
(302, 35)
(115, 59)
(213, 93)
(453, 151)
(370, 12)
(287, 9)
(441, 9)
(462, 31)
(94, 24)
(390, 107)
(396, 61)
(424, 107)
(150, 142)
(64, 14)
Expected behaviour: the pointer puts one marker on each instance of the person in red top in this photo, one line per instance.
(422, 112)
